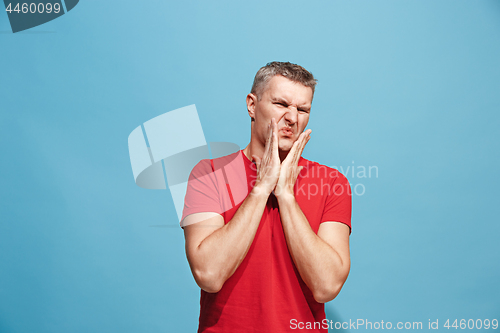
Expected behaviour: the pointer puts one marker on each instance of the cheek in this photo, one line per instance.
(279, 115)
(264, 114)
(304, 121)
(267, 114)
(263, 130)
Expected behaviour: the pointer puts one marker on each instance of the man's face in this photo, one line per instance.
(289, 103)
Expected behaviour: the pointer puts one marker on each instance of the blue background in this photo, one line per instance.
(411, 87)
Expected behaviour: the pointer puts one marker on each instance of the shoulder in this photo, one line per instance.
(316, 170)
(223, 161)
(203, 167)
(209, 166)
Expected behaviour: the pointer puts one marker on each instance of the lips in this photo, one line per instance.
(286, 131)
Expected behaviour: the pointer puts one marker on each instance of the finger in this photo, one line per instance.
(274, 138)
(298, 147)
(299, 169)
(267, 147)
(271, 130)
(274, 126)
(269, 138)
(306, 138)
(296, 174)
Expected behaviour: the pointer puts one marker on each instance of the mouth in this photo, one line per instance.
(287, 131)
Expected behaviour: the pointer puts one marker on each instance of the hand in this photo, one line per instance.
(289, 168)
(268, 168)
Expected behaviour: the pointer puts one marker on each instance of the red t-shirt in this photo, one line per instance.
(266, 292)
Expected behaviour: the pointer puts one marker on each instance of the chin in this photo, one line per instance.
(285, 148)
(286, 144)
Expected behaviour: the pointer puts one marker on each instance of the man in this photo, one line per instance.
(267, 231)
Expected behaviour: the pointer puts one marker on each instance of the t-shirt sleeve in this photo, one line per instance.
(338, 202)
(201, 193)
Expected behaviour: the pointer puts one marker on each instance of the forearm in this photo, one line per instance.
(218, 256)
(319, 264)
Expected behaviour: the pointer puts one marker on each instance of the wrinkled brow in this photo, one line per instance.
(280, 100)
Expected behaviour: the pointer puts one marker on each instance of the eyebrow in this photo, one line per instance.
(279, 100)
(284, 101)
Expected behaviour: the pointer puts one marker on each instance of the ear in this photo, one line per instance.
(251, 101)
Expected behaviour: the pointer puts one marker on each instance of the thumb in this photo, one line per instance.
(298, 172)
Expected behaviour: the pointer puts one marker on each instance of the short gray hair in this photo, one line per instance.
(291, 71)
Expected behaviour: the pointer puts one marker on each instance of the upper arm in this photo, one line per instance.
(199, 226)
(336, 234)
(338, 204)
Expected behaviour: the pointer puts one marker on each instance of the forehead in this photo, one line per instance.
(280, 87)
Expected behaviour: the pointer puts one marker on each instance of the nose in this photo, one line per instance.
(291, 116)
